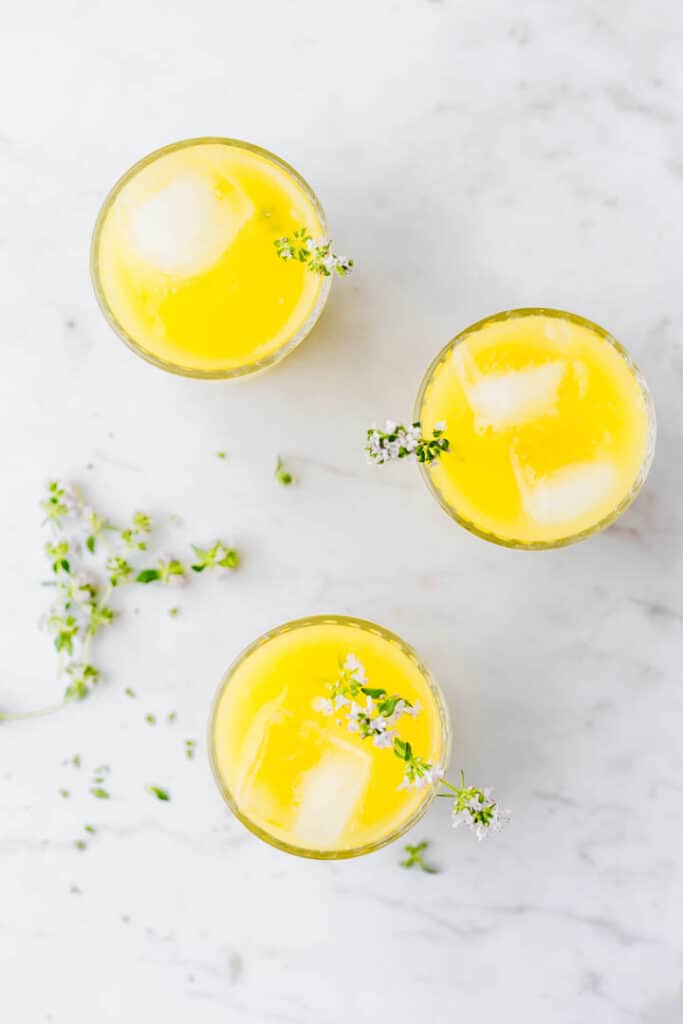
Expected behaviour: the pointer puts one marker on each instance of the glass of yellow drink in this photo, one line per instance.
(298, 776)
(184, 264)
(551, 428)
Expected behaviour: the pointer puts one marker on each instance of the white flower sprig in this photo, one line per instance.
(398, 442)
(475, 808)
(377, 720)
(317, 253)
(90, 558)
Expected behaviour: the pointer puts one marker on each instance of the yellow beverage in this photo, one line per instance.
(287, 761)
(551, 428)
(184, 264)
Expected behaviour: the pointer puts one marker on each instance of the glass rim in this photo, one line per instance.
(245, 369)
(429, 792)
(648, 455)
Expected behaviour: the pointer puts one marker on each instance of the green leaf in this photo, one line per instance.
(388, 706)
(198, 568)
(401, 748)
(159, 793)
(282, 475)
(90, 544)
(230, 561)
(148, 576)
(99, 793)
(374, 694)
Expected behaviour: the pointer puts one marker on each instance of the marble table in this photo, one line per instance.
(471, 157)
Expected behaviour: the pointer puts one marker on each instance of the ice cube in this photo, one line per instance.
(329, 795)
(569, 493)
(501, 400)
(185, 227)
(254, 746)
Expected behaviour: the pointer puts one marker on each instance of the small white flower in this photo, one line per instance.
(389, 427)
(460, 818)
(72, 498)
(413, 710)
(383, 739)
(441, 425)
(323, 705)
(340, 701)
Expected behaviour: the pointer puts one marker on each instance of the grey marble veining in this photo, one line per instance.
(471, 158)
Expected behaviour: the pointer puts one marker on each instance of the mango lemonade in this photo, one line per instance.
(551, 428)
(184, 262)
(293, 764)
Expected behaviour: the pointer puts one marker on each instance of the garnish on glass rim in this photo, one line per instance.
(399, 442)
(90, 558)
(377, 720)
(317, 253)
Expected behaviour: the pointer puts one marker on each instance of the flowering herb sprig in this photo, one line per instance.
(399, 442)
(475, 808)
(377, 720)
(317, 253)
(89, 559)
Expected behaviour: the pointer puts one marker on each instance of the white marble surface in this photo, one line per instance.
(471, 157)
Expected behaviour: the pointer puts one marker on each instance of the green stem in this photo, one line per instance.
(18, 716)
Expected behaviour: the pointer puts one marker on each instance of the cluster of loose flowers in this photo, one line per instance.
(89, 559)
(399, 442)
(376, 719)
(317, 253)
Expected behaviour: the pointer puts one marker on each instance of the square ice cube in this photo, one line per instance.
(185, 227)
(329, 795)
(500, 400)
(569, 493)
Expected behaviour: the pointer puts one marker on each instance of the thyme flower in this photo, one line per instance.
(399, 442)
(317, 253)
(376, 719)
(477, 809)
(218, 556)
(90, 558)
